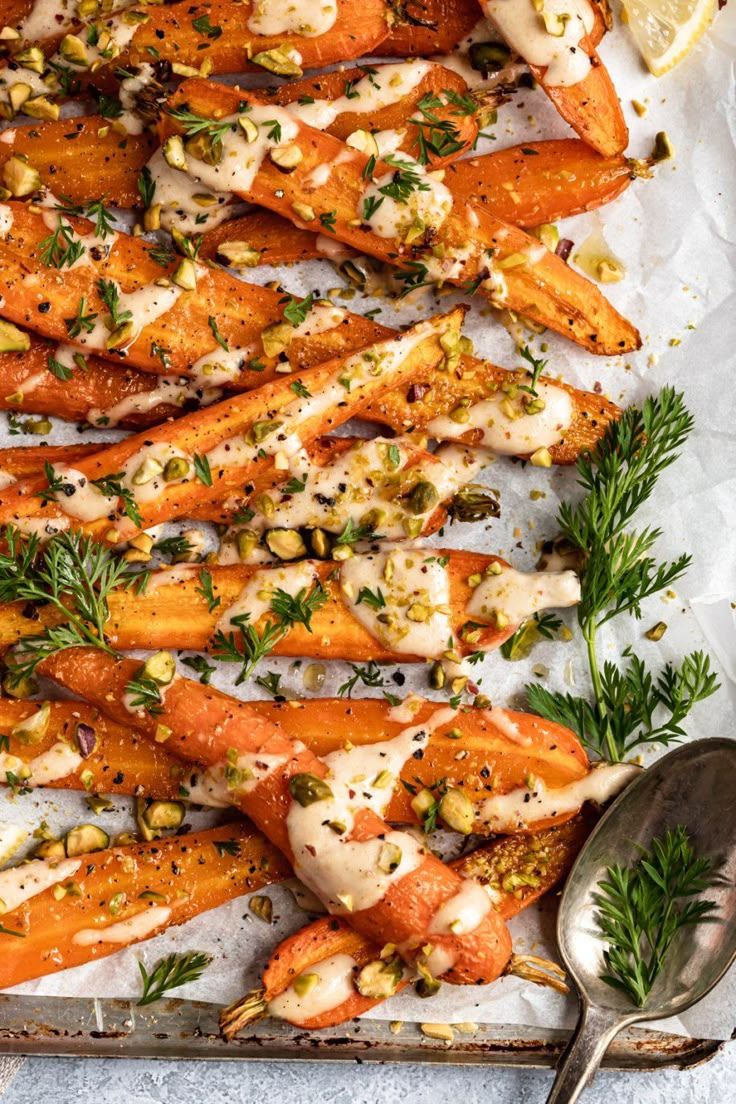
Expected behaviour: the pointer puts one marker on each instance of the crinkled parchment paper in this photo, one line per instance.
(675, 234)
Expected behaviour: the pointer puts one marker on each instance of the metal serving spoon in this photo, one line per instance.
(694, 786)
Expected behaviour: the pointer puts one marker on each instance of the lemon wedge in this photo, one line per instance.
(666, 30)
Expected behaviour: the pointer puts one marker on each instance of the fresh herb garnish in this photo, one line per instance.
(618, 477)
(641, 908)
(373, 598)
(327, 219)
(112, 486)
(271, 684)
(202, 469)
(353, 533)
(70, 572)
(203, 26)
(370, 675)
(200, 665)
(193, 124)
(145, 693)
(212, 323)
(171, 973)
(173, 546)
(296, 310)
(146, 186)
(435, 136)
(541, 626)
(206, 590)
(300, 389)
(227, 847)
(109, 293)
(61, 247)
(287, 610)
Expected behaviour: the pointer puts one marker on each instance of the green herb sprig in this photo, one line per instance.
(641, 908)
(171, 973)
(618, 476)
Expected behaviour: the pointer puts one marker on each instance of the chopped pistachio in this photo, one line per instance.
(20, 178)
(261, 906)
(286, 158)
(277, 61)
(657, 631)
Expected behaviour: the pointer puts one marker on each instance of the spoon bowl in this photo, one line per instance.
(693, 786)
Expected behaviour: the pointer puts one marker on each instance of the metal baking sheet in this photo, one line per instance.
(94, 1028)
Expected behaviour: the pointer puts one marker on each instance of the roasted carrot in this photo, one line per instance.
(518, 745)
(518, 870)
(425, 27)
(212, 449)
(124, 396)
(120, 896)
(57, 149)
(526, 185)
(414, 463)
(590, 105)
(171, 611)
(219, 731)
(435, 132)
(517, 273)
(176, 327)
(544, 181)
(112, 161)
(221, 37)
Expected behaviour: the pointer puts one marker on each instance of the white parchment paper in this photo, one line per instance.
(675, 234)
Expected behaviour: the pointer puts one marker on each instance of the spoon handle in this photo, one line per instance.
(584, 1053)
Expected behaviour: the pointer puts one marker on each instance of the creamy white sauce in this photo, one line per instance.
(238, 166)
(525, 31)
(256, 596)
(157, 454)
(9, 78)
(6, 220)
(308, 18)
(503, 721)
(130, 89)
(43, 528)
(523, 806)
(79, 498)
(408, 608)
(136, 928)
(427, 206)
(47, 18)
(335, 984)
(179, 203)
(462, 913)
(349, 875)
(386, 86)
(171, 392)
(507, 429)
(519, 594)
(57, 762)
(114, 36)
(215, 789)
(21, 883)
(146, 304)
(6, 479)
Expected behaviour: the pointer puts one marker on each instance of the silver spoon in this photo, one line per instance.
(694, 786)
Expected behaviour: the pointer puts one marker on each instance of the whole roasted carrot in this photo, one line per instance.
(172, 611)
(81, 909)
(438, 133)
(274, 780)
(413, 464)
(428, 239)
(172, 469)
(517, 870)
(519, 746)
(108, 393)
